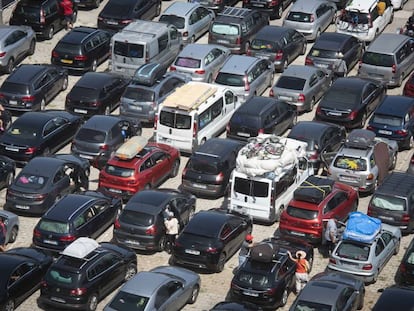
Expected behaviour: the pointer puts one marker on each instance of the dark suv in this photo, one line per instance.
(272, 7)
(82, 49)
(235, 28)
(44, 16)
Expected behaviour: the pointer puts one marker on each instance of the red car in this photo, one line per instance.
(409, 87)
(138, 165)
(317, 199)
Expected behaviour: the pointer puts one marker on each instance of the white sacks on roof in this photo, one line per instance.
(269, 153)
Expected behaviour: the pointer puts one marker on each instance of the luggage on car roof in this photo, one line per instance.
(314, 189)
(360, 139)
(263, 252)
(361, 227)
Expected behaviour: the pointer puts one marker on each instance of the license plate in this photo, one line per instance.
(112, 22)
(50, 242)
(86, 156)
(57, 299)
(331, 113)
(243, 134)
(192, 252)
(297, 233)
(12, 149)
(199, 186)
(287, 98)
(223, 41)
(13, 102)
(250, 294)
(322, 65)
(348, 178)
(386, 217)
(132, 242)
(80, 111)
(138, 108)
(25, 207)
(66, 61)
(384, 132)
(258, 5)
(115, 190)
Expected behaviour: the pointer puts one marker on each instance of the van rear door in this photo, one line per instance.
(127, 57)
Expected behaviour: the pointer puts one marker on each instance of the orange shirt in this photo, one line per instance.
(301, 265)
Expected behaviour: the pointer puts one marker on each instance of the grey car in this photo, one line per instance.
(162, 288)
(302, 86)
(247, 76)
(11, 221)
(16, 42)
(191, 19)
(200, 62)
(310, 18)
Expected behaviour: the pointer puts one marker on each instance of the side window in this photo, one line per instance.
(229, 98)
(320, 11)
(193, 18)
(368, 91)
(374, 13)
(49, 128)
(210, 114)
(343, 298)
(210, 57)
(147, 164)
(173, 33)
(320, 74)
(379, 247)
(401, 55)
(256, 17)
(217, 53)
(163, 42)
(313, 80)
(372, 160)
(58, 176)
(79, 221)
(386, 237)
(44, 80)
(225, 231)
(158, 157)
(162, 295)
(100, 207)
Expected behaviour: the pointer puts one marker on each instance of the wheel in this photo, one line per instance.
(46, 152)
(32, 47)
(92, 302)
(192, 40)
(279, 12)
(9, 305)
(9, 179)
(107, 111)
(147, 187)
(10, 66)
(130, 272)
(305, 46)
(397, 247)
(13, 234)
(94, 65)
(43, 104)
(392, 16)
(363, 119)
(175, 169)
(162, 243)
(311, 105)
(361, 301)
(50, 32)
(194, 294)
(158, 10)
(318, 33)
(375, 277)
(65, 83)
(96, 3)
(394, 161)
(221, 262)
(284, 298)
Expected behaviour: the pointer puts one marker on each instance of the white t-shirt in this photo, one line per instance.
(171, 226)
(330, 228)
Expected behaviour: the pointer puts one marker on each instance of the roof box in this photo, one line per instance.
(131, 147)
(361, 227)
(360, 139)
(314, 189)
(80, 248)
(263, 252)
(148, 74)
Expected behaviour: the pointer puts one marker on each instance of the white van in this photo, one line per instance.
(194, 113)
(268, 170)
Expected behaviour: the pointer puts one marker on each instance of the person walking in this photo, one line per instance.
(245, 249)
(67, 8)
(2, 235)
(171, 230)
(331, 232)
(302, 269)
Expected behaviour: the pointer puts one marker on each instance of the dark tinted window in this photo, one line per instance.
(301, 213)
(84, 92)
(127, 301)
(119, 171)
(31, 181)
(90, 135)
(15, 88)
(299, 17)
(378, 59)
(136, 218)
(341, 98)
(230, 79)
(175, 20)
(291, 83)
(128, 49)
(387, 120)
(204, 164)
(308, 305)
(251, 187)
(175, 120)
(24, 131)
(32, 13)
(138, 94)
(54, 226)
(268, 46)
(68, 48)
(188, 62)
(246, 120)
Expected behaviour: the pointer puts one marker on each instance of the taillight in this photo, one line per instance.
(249, 52)
(39, 197)
(370, 177)
(332, 261)
(96, 103)
(195, 129)
(394, 68)
(42, 16)
(43, 283)
(1, 95)
(412, 160)
(260, 131)
(172, 68)
(313, 156)
(401, 132)
(220, 177)
(318, 110)
(271, 93)
(155, 122)
(185, 34)
(301, 98)
(37, 233)
(312, 18)
(104, 147)
(200, 72)
(246, 84)
(55, 54)
(28, 98)
(117, 224)
(80, 57)
(279, 55)
(228, 128)
(271, 291)
(78, 291)
(30, 150)
(403, 268)
(151, 230)
(353, 115)
(369, 210)
(238, 40)
(274, 2)
(308, 61)
(367, 267)
(2, 54)
(405, 218)
(370, 127)
(67, 238)
(211, 250)
(359, 64)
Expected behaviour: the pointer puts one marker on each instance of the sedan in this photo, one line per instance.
(210, 239)
(38, 133)
(350, 101)
(7, 171)
(302, 86)
(22, 270)
(12, 224)
(162, 288)
(16, 42)
(395, 298)
(201, 62)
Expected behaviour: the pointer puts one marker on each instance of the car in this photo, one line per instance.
(82, 49)
(331, 291)
(350, 101)
(235, 306)
(261, 115)
(321, 137)
(409, 87)
(89, 4)
(7, 171)
(280, 45)
(12, 223)
(85, 273)
(267, 280)
(400, 297)
(102, 135)
(404, 275)
(246, 76)
(116, 14)
(140, 225)
(45, 17)
(207, 172)
(155, 289)
(95, 93)
(191, 19)
(31, 87)
(70, 157)
(86, 214)
(147, 166)
(363, 161)
(38, 133)
(22, 270)
(311, 18)
(215, 5)
(302, 86)
(393, 119)
(42, 182)
(210, 239)
(200, 62)
(365, 256)
(335, 52)
(16, 42)
(273, 8)
(317, 200)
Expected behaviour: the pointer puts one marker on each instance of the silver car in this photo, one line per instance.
(191, 19)
(310, 17)
(302, 86)
(11, 221)
(16, 42)
(162, 288)
(200, 62)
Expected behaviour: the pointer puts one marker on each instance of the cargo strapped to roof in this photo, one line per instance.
(234, 12)
(264, 252)
(360, 139)
(80, 248)
(190, 96)
(314, 189)
(361, 227)
(131, 147)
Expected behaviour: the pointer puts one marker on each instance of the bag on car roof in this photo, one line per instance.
(263, 252)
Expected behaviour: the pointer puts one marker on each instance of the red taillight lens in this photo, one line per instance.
(301, 98)
(211, 250)
(81, 57)
(308, 61)
(271, 93)
(117, 224)
(332, 261)
(249, 52)
(125, 21)
(172, 68)
(185, 34)
(43, 283)
(405, 218)
(394, 68)
(96, 104)
(2, 54)
(353, 115)
(238, 40)
(370, 127)
(151, 230)
(55, 54)
(155, 122)
(1, 95)
(67, 238)
(195, 129)
(367, 267)
(28, 98)
(104, 147)
(42, 16)
(260, 131)
(313, 156)
(246, 84)
(279, 55)
(401, 132)
(220, 177)
(78, 291)
(200, 72)
(30, 150)
(36, 233)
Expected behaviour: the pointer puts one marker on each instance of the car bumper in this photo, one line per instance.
(366, 277)
(202, 262)
(63, 304)
(349, 124)
(124, 194)
(309, 237)
(132, 241)
(363, 36)
(203, 189)
(386, 80)
(26, 208)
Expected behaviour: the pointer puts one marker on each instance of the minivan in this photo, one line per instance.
(389, 58)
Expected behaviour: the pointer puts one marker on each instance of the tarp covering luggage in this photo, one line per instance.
(361, 227)
(263, 252)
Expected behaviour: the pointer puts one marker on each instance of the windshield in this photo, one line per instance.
(175, 120)
(264, 45)
(315, 52)
(301, 213)
(387, 120)
(390, 203)
(341, 98)
(350, 163)
(291, 83)
(136, 218)
(119, 171)
(15, 88)
(24, 131)
(354, 251)
(65, 278)
(204, 164)
(128, 301)
(31, 181)
(251, 187)
(378, 59)
(302, 305)
(225, 29)
(175, 20)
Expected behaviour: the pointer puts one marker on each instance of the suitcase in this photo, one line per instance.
(313, 189)
(263, 252)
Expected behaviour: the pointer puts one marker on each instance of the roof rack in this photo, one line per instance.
(190, 96)
(80, 248)
(131, 147)
(234, 12)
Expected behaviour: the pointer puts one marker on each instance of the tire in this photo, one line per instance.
(400, 80)
(158, 10)
(96, 4)
(284, 298)
(363, 119)
(107, 111)
(147, 187)
(50, 32)
(192, 40)
(130, 272)
(318, 33)
(305, 46)
(9, 179)
(221, 262)
(246, 47)
(175, 169)
(92, 302)
(394, 161)
(10, 66)
(210, 79)
(361, 302)
(65, 83)
(279, 12)
(43, 104)
(194, 294)
(46, 152)
(9, 305)
(311, 105)
(162, 243)
(397, 247)
(13, 234)
(32, 47)
(94, 65)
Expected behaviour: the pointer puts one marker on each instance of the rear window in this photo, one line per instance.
(136, 218)
(91, 136)
(355, 17)
(31, 181)
(354, 251)
(65, 47)
(255, 280)
(30, 12)
(204, 164)
(175, 120)
(341, 98)
(119, 171)
(391, 203)
(24, 131)
(138, 94)
(387, 120)
(301, 213)
(128, 49)
(264, 45)
(230, 79)
(15, 88)
(225, 29)
(61, 277)
(188, 62)
(84, 93)
(175, 20)
(291, 83)
(378, 59)
(54, 226)
(128, 301)
(246, 120)
(251, 187)
(299, 17)
(315, 52)
(302, 305)
(351, 163)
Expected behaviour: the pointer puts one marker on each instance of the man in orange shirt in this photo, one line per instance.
(302, 270)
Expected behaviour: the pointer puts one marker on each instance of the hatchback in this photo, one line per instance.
(310, 17)
(191, 19)
(32, 86)
(409, 87)
(82, 49)
(246, 76)
(273, 8)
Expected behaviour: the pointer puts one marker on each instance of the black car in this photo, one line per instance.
(86, 214)
(88, 4)
(331, 48)
(273, 8)
(7, 171)
(116, 14)
(95, 93)
(38, 133)
(32, 86)
(321, 137)
(42, 182)
(208, 170)
(261, 115)
(394, 119)
(82, 49)
(100, 136)
(395, 298)
(269, 282)
(22, 270)
(405, 272)
(44, 16)
(350, 101)
(140, 225)
(235, 306)
(85, 273)
(210, 239)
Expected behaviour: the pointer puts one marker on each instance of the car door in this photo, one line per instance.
(338, 205)
(195, 24)
(347, 300)
(169, 85)
(370, 97)
(389, 243)
(177, 295)
(105, 215)
(350, 52)
(181, 209)
(296, 40)
(380, 255)
(44, 87)
(322, 85)
(60, 183)
(205, 16)
(143, 10)
(23, 280)
(14, 44)
(161, 165)
(54, 134)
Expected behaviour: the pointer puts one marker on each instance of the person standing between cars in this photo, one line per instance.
(302, 269)
(2, 235)
(331, 234)
(67, 7)
(171, 229)
(245, 249)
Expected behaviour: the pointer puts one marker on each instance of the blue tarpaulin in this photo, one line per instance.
(361, 227)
